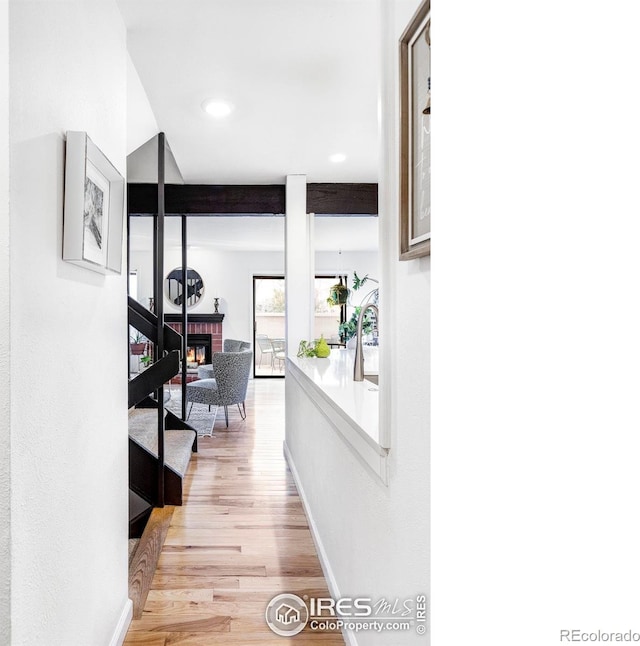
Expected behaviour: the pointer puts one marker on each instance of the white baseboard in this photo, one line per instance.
(123, 624)
(332, 584)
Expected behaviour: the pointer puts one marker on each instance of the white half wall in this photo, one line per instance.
(376, 538)
(69, 446)
(5, 342)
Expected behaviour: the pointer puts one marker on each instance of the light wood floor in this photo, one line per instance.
(240, 538)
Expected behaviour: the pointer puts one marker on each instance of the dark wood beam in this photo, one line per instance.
(231, 199)
(342, 199)
(209, 199)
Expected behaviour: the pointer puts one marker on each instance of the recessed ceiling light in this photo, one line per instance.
(217, 109)
(337, 158)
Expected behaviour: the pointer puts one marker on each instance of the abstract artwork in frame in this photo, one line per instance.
(93, 207)
(415, 136)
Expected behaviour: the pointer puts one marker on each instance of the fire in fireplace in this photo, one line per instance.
(196, 354)
(199, 349)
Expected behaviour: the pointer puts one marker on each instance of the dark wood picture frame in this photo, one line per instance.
(415, 86)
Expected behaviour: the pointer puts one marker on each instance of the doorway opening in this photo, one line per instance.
(269, 320)
(268, 326)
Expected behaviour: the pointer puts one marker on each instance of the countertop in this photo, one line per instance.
(332, 380)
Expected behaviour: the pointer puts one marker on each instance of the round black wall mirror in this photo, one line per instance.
(175, 287)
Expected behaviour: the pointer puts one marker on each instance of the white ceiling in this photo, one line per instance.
(302, 75)
(258, 233)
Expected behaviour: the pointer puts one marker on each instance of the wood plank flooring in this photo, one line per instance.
(240, 538)
(145, 559)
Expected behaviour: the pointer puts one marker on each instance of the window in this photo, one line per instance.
(327, 317)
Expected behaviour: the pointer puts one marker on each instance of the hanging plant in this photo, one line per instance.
(338, 295)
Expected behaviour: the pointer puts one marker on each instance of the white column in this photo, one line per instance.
(5, 333)
(299, 264)
(387, 219)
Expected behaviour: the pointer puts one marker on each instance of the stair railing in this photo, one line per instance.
(168, 344)
(158, 276)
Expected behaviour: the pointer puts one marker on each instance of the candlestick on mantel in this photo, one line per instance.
(216, 304)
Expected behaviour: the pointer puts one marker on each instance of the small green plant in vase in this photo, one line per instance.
(306, 349)
(318, 348)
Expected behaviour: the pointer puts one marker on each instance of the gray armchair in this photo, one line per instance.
(229, 345)
(233, 345)
(228, 385)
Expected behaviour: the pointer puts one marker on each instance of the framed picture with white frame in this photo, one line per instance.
(93, 207)
(415, 136)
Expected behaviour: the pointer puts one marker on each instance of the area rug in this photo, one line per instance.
(200, 418)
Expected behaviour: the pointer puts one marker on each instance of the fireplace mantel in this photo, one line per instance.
(194, 318)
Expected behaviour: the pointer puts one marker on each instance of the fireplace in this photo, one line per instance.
(204, 337)
(198, 349)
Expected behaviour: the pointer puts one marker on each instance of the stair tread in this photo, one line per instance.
(144, 413)
(143, 428)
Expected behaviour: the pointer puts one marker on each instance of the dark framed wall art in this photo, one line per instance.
(415, 136)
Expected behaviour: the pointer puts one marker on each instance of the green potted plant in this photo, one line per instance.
(138, 343)
(348, 328)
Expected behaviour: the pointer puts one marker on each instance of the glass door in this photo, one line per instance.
(268, 326)
(329, 316)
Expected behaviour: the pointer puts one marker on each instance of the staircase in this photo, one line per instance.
(143, 454)
(160, 444)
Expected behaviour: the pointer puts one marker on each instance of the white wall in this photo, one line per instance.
(231, 273)
(377, 539)
(5, 346)
(141, 122)
(364, 262)
(69, 447)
